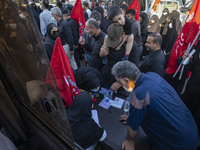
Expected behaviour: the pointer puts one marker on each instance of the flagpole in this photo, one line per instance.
(180, 63)
(188, 50)
(181, 72)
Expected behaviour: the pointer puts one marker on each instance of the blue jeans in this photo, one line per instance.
(88, 58)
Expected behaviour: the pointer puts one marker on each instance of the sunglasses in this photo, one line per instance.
(54, 32)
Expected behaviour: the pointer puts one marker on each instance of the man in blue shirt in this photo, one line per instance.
(157, 108)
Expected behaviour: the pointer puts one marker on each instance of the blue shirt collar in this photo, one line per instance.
(139, 80)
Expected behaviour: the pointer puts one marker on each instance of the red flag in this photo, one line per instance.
(78, 14)
(135, 4)
(187, 35)
(63, 74)
(92, 3)
(155, 5)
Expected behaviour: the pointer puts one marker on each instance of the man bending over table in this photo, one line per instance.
(157, 108)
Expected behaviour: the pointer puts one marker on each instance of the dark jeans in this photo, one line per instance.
(77, 57)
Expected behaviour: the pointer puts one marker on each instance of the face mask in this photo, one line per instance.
(130, 89)
(170, 26)
(55, 35)
(131, 86)
(40, 6)
(13, 26)
(54, 20)
(94, 94)
(96, 89)
(103, 6)
(22, 16)
(165, 13)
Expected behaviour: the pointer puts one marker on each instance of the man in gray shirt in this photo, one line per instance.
(136, 30)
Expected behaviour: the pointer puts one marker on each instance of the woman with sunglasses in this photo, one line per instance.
(51, 35)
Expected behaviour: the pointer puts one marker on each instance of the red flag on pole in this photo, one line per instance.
(92, 3)
(135, 4)
(187, 35)
(78, 14)
(63, 74)
(155, 5)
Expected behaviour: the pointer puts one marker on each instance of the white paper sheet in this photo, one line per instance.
(117, 102)
(105, 104)
(103, 90)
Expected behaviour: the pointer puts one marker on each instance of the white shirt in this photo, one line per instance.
(88, 12)
(45, 19)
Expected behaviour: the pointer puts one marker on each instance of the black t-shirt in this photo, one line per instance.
(128, 26)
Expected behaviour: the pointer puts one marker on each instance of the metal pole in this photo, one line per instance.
(181, 72)
(181, 63)
(188, 50)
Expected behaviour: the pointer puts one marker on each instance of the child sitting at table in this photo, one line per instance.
(84, 122)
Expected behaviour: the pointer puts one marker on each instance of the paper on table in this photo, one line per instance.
(103, 90)
(105, 104)
(118, 102)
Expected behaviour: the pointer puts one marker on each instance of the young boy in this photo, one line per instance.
(116, 16)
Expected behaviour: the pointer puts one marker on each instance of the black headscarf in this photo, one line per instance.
(164, 31)
(50, 40)
(88, 78)
(84, 129)
(173, 29)
(163, 19)
(49, 28)
(168, 20)
(176, 18)
(145, 20)
(143, 25)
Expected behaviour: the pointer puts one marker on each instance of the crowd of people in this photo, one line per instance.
(126, 55)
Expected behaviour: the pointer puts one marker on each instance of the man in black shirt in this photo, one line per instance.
(93, 29)
(65, 35)
(136, 29)
(104, 22)
(75, 33)
(113, 39)
(89, 40)
(155, 61)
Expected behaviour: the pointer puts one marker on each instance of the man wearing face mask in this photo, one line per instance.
(157, 108)
(155, 61)
(51, 35)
